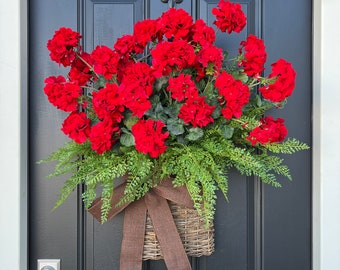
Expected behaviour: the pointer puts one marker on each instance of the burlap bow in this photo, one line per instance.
(155, 204)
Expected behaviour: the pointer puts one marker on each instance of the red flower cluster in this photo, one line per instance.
(105, 61)
(136, 88)
(180, 81)
(202, 33)
(182, 87)
(269, 131)
(229, 17)
(64, 95)
(77, 127)
(175, 23)
(172, 56)
(62, 46)
(235, 95)
(80, 72)
(107, 104)
(284, 84)
(196, 112)
(149, 137)
(104, 135)
(255, 56)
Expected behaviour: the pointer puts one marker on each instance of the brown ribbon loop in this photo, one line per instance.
(155, 203)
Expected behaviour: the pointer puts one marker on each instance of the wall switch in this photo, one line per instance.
(48, 264)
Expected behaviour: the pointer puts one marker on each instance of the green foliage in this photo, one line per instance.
(201, 164)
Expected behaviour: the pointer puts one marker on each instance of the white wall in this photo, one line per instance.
(13, 144)
(326, 152)
(13, 229)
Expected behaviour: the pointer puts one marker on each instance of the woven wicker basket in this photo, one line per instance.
(197, 240)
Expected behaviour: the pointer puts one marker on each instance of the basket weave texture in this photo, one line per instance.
(196, 238)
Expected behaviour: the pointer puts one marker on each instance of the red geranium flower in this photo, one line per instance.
(105, 61)
(77, 127)
(269, 131)
(149, 138)
(255, 56)
(235, 94)
(146, 31)
(126, 45)
(210, 57)
(229, 17)
(182, 87)
(108, 104)
(64, 95)
(62, 46)
(175, 23)
(80, 72)
(196, 112)
(136, 88)
(202, 33)
(284, 85)
(104, 135)
(172, 56)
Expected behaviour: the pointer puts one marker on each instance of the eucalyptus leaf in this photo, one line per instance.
(127, 139)
(227, 131)
(194, 134)
(130, 120)
(175, 126)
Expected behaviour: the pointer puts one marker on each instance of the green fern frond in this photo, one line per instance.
(288, 147)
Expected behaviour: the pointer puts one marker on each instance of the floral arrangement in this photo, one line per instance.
(165, 102)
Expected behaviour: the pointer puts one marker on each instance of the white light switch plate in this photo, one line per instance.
(55, 263)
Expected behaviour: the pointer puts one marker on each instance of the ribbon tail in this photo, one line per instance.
(131, 254)
(171, 245)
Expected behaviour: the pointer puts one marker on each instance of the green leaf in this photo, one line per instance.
(175, 126)
(194, 134)
(227, 131)
(130, 120)
(127, 139)
(240, 76)
(101, 82)
(173, 110)
(258, 101)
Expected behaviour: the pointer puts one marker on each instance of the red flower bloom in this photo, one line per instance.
(255, 56)
(196, 112)
(269, 131)
(77, 127)
(80, 72)
(149, 138)
(64, 95)
(105, 61)
(62, 46)
(202, 33)
(126, 45)
(108, 104)
(182, 87)
(145, 31)
(229, 17)
(172, 56)
(104, 135)
(235, 94)
(210, 57)
(284, 85)
(136, 88)
(175, 23)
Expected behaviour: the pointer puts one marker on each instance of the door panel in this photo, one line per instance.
(260, 227)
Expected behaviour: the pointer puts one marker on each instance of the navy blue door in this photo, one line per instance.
(260, 228)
